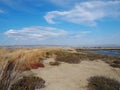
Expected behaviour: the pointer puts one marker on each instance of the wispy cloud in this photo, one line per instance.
(1, 11)
(86, 13)
(23, 5)
(35, 32)
(44, 35)
(11, 3)
(52, 36)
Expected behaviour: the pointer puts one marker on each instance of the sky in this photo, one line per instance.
(60, 22)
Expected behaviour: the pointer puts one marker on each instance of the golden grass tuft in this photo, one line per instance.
(26, 56)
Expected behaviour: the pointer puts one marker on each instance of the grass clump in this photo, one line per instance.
(8, 73)
(68, 57)
(103, 83)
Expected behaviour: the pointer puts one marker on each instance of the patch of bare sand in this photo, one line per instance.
(74, 76)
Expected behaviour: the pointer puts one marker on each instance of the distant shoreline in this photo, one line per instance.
(60, 46)
(98, 48)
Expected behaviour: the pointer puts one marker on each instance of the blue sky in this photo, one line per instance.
(60, 22)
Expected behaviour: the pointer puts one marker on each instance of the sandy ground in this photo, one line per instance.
(74, 76)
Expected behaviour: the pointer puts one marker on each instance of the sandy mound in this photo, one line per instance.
(74, 76)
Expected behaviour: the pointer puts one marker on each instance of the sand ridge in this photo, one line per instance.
(74, 76)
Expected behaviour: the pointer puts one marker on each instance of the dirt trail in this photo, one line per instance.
(74, 76)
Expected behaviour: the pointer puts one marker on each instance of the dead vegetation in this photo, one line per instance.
(12, 64)
(28, 83)
(15, 61)
(26, 57)
(8, 74)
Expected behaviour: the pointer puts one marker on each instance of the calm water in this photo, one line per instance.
(107, 52)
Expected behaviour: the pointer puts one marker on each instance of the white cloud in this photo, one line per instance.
(86, 13)
(44, 35)
(35, 32)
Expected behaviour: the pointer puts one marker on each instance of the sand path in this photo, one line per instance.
(73, 76)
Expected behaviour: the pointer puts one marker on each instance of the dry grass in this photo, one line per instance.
(25, 57)
(8, 74)
(3, 51)
(13, 63)
(11, 73)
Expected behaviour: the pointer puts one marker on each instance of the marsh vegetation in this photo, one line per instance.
(14, 62)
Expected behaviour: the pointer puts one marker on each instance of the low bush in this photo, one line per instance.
(28, 83)
(67, 57)
(103, 83)
(115, 64)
